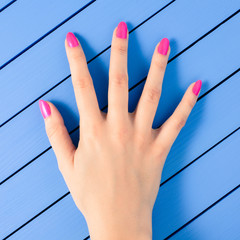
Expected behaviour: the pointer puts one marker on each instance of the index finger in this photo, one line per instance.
(82, 82)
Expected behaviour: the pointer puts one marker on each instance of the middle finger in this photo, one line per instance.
(118, 75)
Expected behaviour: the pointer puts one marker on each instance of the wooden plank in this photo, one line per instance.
(45, 64)
(220, 222)
(197, 187)
(35, 126)
(179, 200)
(37, 186)
(5, 4)
(218, 104)
(22, 126)
(64, 221)
(27, 21)
(53, 71)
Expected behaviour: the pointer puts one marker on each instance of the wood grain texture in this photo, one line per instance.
(99, 69)
(42, 77)
(4, 4)
(45, 64)
(197, 187)
(35, 202)
(48, 186)
(218, 223)
(179, 200)
(28, 20)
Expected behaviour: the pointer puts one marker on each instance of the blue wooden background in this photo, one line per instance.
(199, 196)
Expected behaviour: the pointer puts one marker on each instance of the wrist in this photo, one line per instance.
(121, 225)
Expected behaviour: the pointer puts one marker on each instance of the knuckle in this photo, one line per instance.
(93, 132)
(77, 55)
(190, 103)
(55, 130)
(140, 141)
(153, 94)
(180, 123)
(159, 63)
(119, 79)
(160, 150)
(122, 134)
(82, 82)
(120, 49)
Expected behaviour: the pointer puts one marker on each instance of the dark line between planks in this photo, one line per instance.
(203, 36)
(1, 125)
(44, 210)
(25, 165)
(199, 156)
(201, 213)
(172, 175)
(46, 34)
(192, 44)
(8, 5)
(66, 194)
(129, 89)
(87, 237)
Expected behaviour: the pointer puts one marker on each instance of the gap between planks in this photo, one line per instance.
(177, 55)
(46, 34)
(8, 120)
(216, 144)
(8, 5)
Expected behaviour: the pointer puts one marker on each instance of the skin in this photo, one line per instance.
(115, 172)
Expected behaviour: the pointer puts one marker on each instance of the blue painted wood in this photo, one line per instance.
(33, 125)
(33, 190)
(197, 187)
(4, 4)
(18, 128)
(179, 200)
(219, 223)
(28, 20)
(39, 191)
(64, 221)
(45, 64)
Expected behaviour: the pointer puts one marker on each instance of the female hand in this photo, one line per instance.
(115, 172)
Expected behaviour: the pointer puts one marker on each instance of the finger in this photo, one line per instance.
(118, 74)
(58, 136)
(169, 131)
(82, 82)
(149, 100)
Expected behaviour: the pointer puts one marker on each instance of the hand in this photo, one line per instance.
(115, 172)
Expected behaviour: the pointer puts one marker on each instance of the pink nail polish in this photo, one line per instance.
(197, 87)
(122, 30)
(163, 46)
(44, 108)
(72, 40)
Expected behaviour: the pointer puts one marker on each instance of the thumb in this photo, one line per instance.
(58, 136)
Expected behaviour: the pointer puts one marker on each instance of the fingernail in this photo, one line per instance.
(122, 30)
(163, 46)
(72, 40)
(197, 87)
(44, 108)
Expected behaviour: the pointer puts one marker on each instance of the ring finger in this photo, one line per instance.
(148, 102)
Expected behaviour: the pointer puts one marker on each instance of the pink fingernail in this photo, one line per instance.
(197, 87)
(44, 108)
(163, 46)
(72, 40)
(122, 30)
